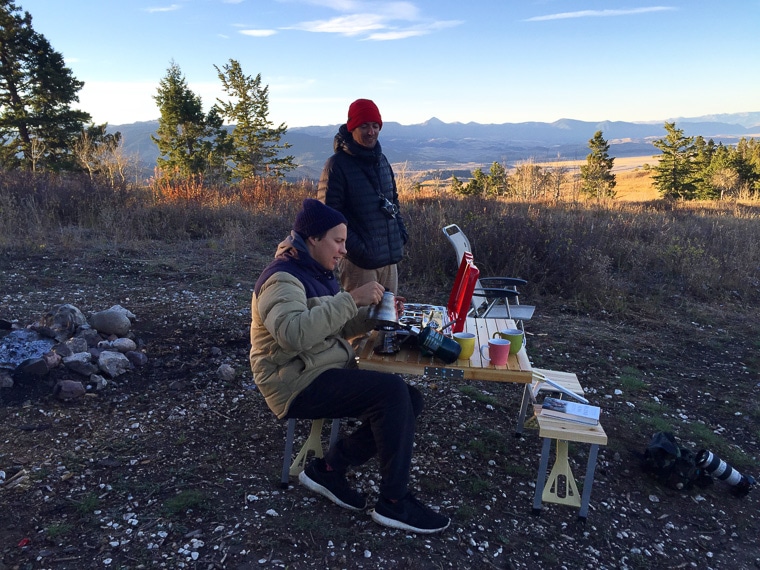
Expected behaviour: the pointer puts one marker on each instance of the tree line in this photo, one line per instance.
(532, 181)
(40, 131)
(689, 168)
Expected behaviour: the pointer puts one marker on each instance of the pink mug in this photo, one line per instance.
(498, 351)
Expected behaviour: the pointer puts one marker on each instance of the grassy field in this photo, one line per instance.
(634, 184)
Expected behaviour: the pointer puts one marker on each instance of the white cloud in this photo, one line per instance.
(353, 25)
(599, 13)
(258, 33)
(390, 10)
(378, 21)
(170, 8)
(400, 33)
(397, 35)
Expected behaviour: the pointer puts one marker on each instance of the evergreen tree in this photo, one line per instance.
(498, 180)
(477, 185)
(38, 127)
(748, 165)
(456, 185)
(255, 142)
(704, 154)
(675, 175)
(597, 179)
(722, 176)
(189, 141)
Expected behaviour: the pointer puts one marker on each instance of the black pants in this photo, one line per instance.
(388, 408)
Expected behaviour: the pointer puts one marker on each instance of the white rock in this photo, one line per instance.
(111, 321)
(226, 372)
(123, 345)
(113, 363)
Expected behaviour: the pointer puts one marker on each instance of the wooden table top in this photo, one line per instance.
(409, 360)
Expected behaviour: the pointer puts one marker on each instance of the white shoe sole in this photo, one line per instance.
(312, 485)
(393, 523)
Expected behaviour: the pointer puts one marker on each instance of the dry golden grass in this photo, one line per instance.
(634, 184)
(622, 164)
(593, 253)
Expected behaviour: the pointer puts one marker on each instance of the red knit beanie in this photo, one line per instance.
(363, 111)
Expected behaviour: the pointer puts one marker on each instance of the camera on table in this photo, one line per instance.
(389, 208)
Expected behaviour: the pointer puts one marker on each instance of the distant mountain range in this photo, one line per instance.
(461, 147)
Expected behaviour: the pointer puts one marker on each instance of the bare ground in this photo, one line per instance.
(172, 467)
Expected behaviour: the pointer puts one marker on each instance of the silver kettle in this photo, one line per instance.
(385, 310)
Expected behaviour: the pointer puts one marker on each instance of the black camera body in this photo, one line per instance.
(389, 208)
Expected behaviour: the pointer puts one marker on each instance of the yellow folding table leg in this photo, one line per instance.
(313, 445)
(561, 487)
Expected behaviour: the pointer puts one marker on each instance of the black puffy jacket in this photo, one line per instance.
(354, 181)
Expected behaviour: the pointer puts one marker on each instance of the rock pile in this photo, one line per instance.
(93, 350)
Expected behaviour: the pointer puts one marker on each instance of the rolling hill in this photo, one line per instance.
(435, 145)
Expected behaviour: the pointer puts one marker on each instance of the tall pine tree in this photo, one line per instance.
(255, 141)
(597, 179)
(189, 141)
(675, 175)
(38, 127)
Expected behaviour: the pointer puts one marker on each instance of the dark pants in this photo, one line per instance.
(387, 407)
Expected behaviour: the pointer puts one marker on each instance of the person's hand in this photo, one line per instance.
(400, 306)
(368, 294)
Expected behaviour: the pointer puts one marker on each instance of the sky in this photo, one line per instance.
(483, 61)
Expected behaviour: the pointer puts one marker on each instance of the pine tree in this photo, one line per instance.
(38, 127)
(748, 165)
(675, 176)
(456, 186)
(477, 184)
(255, 142)
(498, 180)
(597, 179)
(704, 154)
(189, 141)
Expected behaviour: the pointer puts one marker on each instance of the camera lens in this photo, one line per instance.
(389, 208)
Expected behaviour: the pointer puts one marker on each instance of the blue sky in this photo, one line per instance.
(486, 61)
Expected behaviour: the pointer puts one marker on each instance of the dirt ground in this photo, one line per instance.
(172, 466)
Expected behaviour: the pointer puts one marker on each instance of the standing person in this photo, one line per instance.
(357, 180)
(305, 368)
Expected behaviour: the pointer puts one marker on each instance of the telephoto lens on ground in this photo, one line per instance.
(716, 467)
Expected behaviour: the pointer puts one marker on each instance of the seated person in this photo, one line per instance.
(305, 368)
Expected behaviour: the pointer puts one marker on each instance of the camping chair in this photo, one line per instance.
(493, 297)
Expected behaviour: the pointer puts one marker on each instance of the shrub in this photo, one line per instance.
(611, 256)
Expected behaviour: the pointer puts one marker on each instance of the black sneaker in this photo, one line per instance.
(331, 484)
(409, 514)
